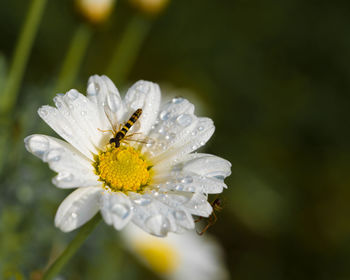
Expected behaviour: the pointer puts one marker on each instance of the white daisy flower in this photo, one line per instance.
(155, 182)
(177, 256)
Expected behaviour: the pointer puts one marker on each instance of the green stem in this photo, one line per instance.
(73, 246)
(128, 48)
(23, 47)
(74, 57)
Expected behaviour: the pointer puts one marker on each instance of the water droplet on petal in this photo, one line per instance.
(74, 215)
(121, 210)
(72, 94)
(190, 189)
(43, 112)
(164, 115)
(177, 100)
(180, 215)
(58, 102)
(200, 128)
(143, 201)
(184, 120)
(187, 180)
(64, 177)
(161, 130)
(53, 155)
(179, 187)
(93, 88)
(38, 145)
(158, 225)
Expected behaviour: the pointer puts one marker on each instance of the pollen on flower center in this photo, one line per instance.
(123, 169)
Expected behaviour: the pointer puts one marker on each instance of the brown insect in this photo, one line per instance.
(217, 205)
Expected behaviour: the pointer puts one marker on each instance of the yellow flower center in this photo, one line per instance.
(159, 255)
(123, 169)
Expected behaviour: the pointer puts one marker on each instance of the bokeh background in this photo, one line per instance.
(274, 77)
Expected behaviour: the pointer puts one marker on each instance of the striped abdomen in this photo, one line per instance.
(121, 133)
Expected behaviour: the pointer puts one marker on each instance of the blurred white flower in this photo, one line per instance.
(177, 256)
(157, 184)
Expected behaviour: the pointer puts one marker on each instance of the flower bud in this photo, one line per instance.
(152, 7)
(96, 11)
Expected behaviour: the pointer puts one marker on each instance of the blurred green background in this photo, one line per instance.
(273, 75)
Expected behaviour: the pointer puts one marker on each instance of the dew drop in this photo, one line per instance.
(43, 112)
(177, 168)
(143, 201)
(64, 177)
(184, 120)
(160, 145)
(179, 187)
(72, 94)
(190, 189)
(121, 210)
(164, 115)
(180, 215)
(177, 100)
(93, 88)
(74, 215)
(38, 145)
(187, 180)
(58, 102)
(200, 128)
(53, 155)
(97, 87)
(158, 225)
(156, 194)
(150, 143)
(161, 130)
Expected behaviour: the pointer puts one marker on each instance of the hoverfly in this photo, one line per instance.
(217, 205)
(119, 135)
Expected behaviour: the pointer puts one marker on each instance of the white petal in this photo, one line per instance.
(176, 201)
(198, 205)
(202, 164)
(189, 142)
(83, 115)
(175, 123)
(206, 165)
(104, 93)
(77, 208)
(152, 216)
(116, 209)
(191, 182)
(75, 170)
(67, 130)
(144, 95)
(183, 218)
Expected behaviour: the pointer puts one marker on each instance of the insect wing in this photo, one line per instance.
(112, 118)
